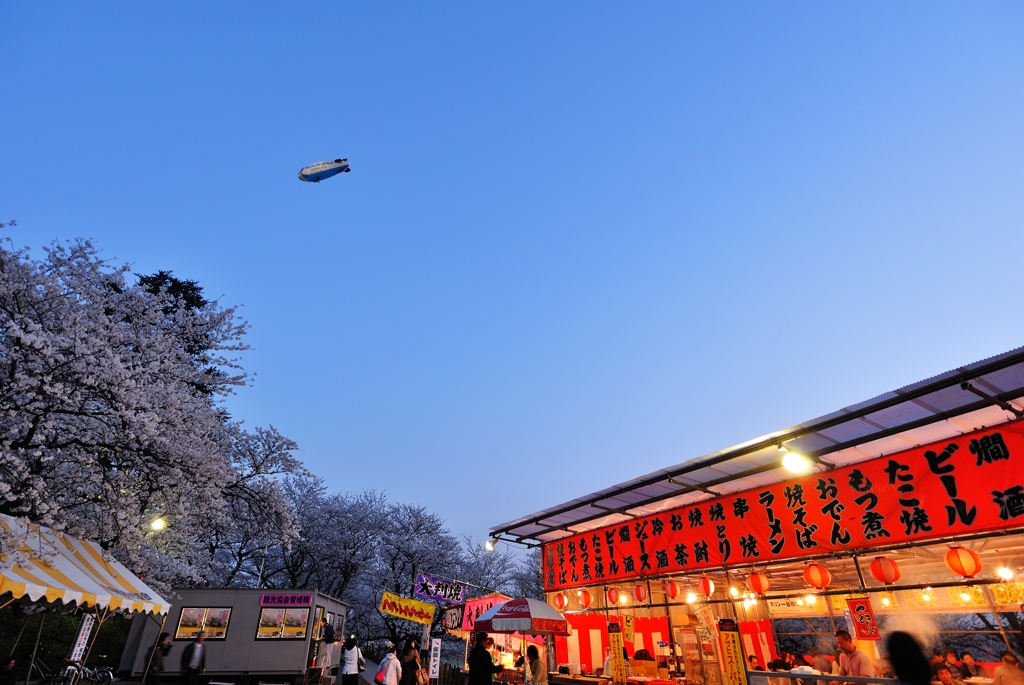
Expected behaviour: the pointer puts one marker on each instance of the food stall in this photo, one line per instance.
(251, 634)
(902, 512)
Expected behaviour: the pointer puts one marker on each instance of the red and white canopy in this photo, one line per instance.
(522, 615)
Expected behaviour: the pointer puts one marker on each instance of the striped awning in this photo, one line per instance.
(61, 568)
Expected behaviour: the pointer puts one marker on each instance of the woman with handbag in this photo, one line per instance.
(411, 666)
(352, 662)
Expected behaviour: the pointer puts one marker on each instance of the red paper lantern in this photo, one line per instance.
(963, 561)
(672, 589)
(560, 600)
(758, 583)
(885, 570)
(584, 598)
(707, 586)
(613, 596)
(640, 592)
(817, 576)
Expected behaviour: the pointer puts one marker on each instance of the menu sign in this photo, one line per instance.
(971, 483)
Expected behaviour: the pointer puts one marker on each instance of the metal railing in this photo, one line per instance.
(828, 677)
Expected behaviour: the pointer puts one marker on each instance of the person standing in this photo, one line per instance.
(156, 660)
(351, 658)
(481, 667)
(538, 669)
(908, 661)
(1008, 672)
(7, 671)
(852, 661)
(390, 665)
(193, 659)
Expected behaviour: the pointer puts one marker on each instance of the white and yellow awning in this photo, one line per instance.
(62, 568)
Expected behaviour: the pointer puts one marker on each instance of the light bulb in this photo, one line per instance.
(811, 599)
(926, 597)
(734, 592)
(885, 601)
(489, 545)
(799, 602)
(623, 598)
(796, 463)
(964, 596)
(1004, 573)
(691, 598)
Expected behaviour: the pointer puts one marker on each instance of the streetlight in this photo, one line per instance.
(158, 524)
(490, 545)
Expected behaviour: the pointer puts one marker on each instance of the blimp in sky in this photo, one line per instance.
(321, 170)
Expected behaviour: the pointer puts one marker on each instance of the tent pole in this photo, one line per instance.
(101, 618)
(152, 652)
(42, 620)
(18, 639)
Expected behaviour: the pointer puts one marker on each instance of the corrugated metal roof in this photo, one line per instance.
(978, 395)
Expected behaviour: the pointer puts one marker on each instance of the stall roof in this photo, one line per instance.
(55, 567)
(979, 395)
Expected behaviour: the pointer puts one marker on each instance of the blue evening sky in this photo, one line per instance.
(579, 242)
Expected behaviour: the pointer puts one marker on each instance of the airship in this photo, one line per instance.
(321, 170)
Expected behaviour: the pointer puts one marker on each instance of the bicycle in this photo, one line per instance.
(75, 671)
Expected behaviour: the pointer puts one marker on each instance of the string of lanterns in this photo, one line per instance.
(959, 560)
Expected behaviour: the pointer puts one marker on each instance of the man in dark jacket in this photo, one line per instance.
(156, 659)
(193, 659)
(481, 667)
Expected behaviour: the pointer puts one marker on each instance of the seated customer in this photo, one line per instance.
(970, 668)
(945, 677)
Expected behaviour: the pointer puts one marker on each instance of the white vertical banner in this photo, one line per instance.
(435, 657)
(82, 639)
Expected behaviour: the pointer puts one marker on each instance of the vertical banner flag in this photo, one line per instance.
(82, 639)
(615, 648)
(734, 672)
(409, 609)
(863, 618)
(435, 657)
(438, 589)
(628, 630)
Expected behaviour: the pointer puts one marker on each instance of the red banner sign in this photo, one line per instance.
(863, 618)
(968, 484)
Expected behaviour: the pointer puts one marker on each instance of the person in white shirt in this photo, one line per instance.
(351, 658)
(193, 659)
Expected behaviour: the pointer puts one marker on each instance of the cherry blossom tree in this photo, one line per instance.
(111, 415)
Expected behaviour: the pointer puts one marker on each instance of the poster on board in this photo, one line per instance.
(294, 624)
(271, 621)
(216, 624)
(190, 623)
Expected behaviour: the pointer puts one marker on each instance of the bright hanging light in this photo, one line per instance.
(810, 599)
(885, 601)
(158, 524)
(795, 462)
(1004, 573)
(623, 598)
(691, 598)
(965, 597)
(734, 592)
(799, 602)
(489, 545)
(925, 596)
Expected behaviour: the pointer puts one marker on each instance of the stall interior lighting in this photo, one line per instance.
(734, 592)
(691, 598)
(799, 602)
(811, 599)
(623, 598)
(885, 601)
(965, 597)
(1004, 573)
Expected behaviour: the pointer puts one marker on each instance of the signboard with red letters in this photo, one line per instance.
(972, 483)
